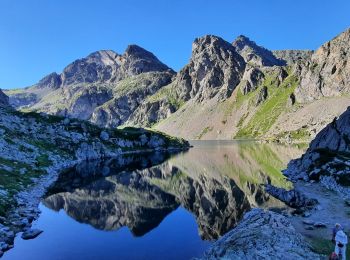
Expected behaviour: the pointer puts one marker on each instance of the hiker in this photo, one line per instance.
(336, 228)
(341, 239)
(333, 256)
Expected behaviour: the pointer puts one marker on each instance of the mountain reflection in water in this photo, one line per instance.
(217, 183)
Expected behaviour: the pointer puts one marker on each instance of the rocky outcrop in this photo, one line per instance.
(215, 68)
(254, 54)
(327, 73)
(252, 78)
(151, 112)
(335, 136)
(333, 139)
(292, 198)
(23, 99)
(292, 57)
(79, 101)
(261, 235)
(262, 96)
(4, 99)
(129, 96)
(326, 159)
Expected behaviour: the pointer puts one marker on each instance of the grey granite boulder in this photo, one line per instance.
(261, 235)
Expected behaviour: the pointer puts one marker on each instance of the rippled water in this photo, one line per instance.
(155, 206)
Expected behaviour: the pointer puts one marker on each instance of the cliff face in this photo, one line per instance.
(238, 90)
(327, 74)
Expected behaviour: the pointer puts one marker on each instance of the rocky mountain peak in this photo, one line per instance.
(52, 81)
(255, 54)
(106, 57)
(137, 51)
(4, 100)
(208, 42)
(107, 66)
(214, 67)
(137, 60)
(242, 41)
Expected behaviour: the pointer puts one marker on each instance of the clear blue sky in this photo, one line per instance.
(41, 36)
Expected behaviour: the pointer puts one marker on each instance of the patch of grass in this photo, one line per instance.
(13, 181)
(325, 246)
(300, 134)
(271, 109)
(133, 133)
(241, 120)
(168, 94)
(268, 162)
(43, 160)
(43, 118)
(204, 132)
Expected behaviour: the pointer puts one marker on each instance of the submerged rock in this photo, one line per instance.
(31, 233)
(261, 235)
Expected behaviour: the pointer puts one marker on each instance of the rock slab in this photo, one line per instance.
(261, 235)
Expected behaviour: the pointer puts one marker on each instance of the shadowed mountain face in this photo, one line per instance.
(217, 184)
(4, 100)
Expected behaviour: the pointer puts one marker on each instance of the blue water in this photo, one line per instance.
(175, 238)
(155, 206)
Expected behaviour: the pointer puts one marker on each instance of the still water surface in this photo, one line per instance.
(155, 206)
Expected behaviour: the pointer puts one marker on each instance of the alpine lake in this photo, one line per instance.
(157, 205)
